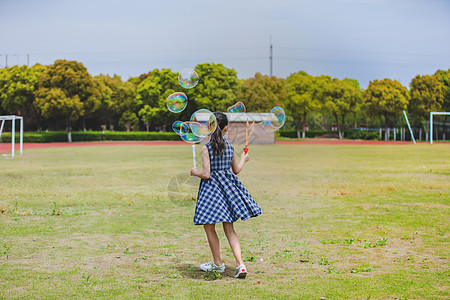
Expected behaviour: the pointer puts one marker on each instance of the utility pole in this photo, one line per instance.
(6, 60)
(271, 56)
(28, 60)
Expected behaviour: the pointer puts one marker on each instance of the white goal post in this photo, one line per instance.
(431, 122)
(13, 119)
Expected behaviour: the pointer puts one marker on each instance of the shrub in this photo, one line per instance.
(81, 136)
(349, 134)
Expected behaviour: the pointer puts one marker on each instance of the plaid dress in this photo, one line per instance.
(222, 197)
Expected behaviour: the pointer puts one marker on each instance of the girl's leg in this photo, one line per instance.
(234, 242)
(213, 241)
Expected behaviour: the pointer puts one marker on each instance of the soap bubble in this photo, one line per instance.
(237, 108)
(277, 117)
(180, 128)
(266, 126)
(177, 102)
(202, 123)
(188, 78)
(191, 138)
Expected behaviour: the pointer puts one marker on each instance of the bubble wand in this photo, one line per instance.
(247, 137)
(193, 160)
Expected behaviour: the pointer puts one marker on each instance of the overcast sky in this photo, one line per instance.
(360, 39)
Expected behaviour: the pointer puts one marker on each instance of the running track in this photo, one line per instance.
(7, 147)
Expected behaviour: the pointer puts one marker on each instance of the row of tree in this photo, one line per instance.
(65, 96)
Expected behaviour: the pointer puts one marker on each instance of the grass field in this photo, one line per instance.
(339, 222)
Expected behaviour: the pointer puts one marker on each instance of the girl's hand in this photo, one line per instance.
(245, 157)
(194, 172)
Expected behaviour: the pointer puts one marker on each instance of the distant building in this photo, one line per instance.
(237, 123)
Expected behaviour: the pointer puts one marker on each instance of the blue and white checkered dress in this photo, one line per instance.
(222, 197)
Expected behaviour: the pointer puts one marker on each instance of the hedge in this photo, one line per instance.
(309, 133)
(362, 135)
(81, 136)
(350, 134)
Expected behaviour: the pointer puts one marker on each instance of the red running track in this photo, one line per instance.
(7, 147)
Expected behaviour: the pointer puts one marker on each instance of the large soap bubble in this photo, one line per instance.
(239, 107)
(266, 126)
(202, 123)
(177, 102)
(191, 138)
(180, 128)
(188, 78)
(277, 117)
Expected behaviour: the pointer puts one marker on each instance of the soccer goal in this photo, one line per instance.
(440, 128)
(13, 119)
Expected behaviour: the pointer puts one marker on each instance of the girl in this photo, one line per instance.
(222, 198)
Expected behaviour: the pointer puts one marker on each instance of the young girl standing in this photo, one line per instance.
(222, 198)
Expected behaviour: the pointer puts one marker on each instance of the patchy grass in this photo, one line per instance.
(350, 222)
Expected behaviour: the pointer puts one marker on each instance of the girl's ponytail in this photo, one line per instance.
(217, 141)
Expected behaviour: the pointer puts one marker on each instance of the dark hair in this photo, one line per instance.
(217, 142)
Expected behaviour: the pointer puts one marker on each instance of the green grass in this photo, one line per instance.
(352, 222)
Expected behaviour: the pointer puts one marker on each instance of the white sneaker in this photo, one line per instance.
(241, 272)
(211, 266)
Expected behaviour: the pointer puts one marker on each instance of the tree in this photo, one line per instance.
(53, 103)
(136, 81)
(150, 114)
(427, 95)
(17, 87)
(152, 95)
(444, 77)
(301, 93)
(129, 120)
(261, 93)
(116, 98)
(216, 89)
(385, 99)
(340, 98)
(66, 93)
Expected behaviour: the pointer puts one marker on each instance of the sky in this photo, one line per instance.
(360, 39)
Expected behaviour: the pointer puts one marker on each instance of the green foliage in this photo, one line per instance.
(128, 251)
(427, 95)
(65, 95)
(301, 98)
(151, 97)
(261, 93)
(82, 136)
(17, 87)
(216, 89)
(385, 98)
(362, 135)
(324, 261)
(341, 98)
(444, 77)
(52, 103)
(66, 92)
(382, 241)
(151, 116)
(155, 89)
(212, 275)
(6, 249)
(350, 134)
(116, 98)
(129, 120)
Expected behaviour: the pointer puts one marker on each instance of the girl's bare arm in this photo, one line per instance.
(238, 166)
(204, 174)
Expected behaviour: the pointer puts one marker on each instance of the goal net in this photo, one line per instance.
(439, 126)
(8, 126)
